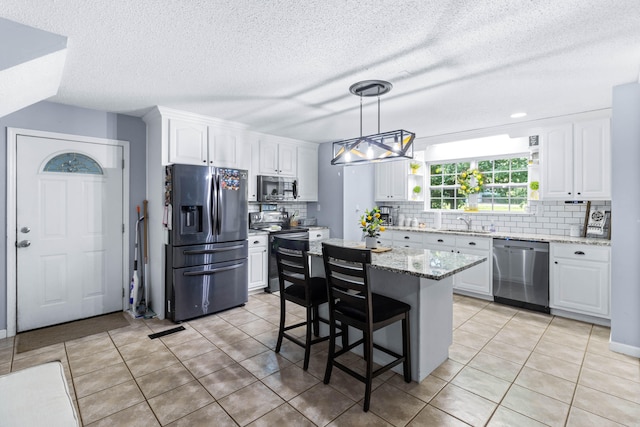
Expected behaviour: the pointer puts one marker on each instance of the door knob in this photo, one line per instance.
(25, 230)
(24, 244)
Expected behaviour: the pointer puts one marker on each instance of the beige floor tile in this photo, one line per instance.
(549, 385)
(129, 335)
(610, 384)
(630, 371)
(179, 402)
(461, 315)
(207, 363)
(159, 325)
(6, 355)
(601, 333)
(321, 404)
(81, 349)
(244, 349)
(505, 310)
(470, 339)
(447, 370)
(425, 390)
(265, 364)
(534, 318)
(101, 379)
(570, 326)
(581, 418)
(95, 362)
(495, 366)
(478, 328)
(151, 362)
(282, 416)
(50, 349)
(393, 405)
(559, 368)
(257, 327)
(109, 401)
(349, 386)
(227, 380)
(38, 359)
(163, 380)
(355, 417)
(602, 348)
(290, 381)
(607, 406)
(210, 415)
(7, 342)
(238, 317)
(250, 403)
(253, 303)
(504, 417)
(190, 349)
(5, 368)
(523, 327)
(472, 303)
(461, 353)
(269, 339)
(507, 351)
(537, 406)
(173, 340)
(291, 351)
(139, 415)
(559, 336)
(513, 337)
(143, 347)
(481, 383)
(225, 336)
(491, 318)
(209, 325)
(432, 416)
(560, 351)
(464, 405)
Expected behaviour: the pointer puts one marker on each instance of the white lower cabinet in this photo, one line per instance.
(580, 279)
(319, 234)
(386, 238)
(258, 261)
(408, 239)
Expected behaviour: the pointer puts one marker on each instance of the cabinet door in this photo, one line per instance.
(382, 181)
(592, 160)
(287, 159)
(477, 278)
(319, 234)
(556, 163)
(399, 180)
(268, 157)
(226, 148)
(252, 188)
(307, 165)
(188, 142)
(257, 267)
(580, 286)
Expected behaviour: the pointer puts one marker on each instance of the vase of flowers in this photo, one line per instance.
(471, 183)
(371, 226)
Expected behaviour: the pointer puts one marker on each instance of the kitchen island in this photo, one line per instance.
(421, 278)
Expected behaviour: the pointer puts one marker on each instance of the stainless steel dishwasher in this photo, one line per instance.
(521, 274)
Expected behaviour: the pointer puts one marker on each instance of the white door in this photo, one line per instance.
(69, 230)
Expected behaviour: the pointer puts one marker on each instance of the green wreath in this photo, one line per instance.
(466, 186)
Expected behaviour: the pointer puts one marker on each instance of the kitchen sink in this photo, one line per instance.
(459, 230)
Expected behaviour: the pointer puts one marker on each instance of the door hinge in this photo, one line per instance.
(122, 292)
(122, 163)
(123, 228)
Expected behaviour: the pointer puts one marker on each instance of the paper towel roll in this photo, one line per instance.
(437, 220)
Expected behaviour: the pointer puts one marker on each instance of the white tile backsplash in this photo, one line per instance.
(556, 219)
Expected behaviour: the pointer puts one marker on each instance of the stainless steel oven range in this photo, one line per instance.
(276, 224)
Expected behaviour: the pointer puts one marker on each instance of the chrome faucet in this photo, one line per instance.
(466, 221)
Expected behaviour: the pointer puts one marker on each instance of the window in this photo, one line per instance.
(505, 184)
(73, 163)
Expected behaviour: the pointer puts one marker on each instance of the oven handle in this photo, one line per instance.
(210, 272)
(212, 251)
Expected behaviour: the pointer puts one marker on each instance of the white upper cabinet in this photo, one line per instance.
(391, 180)
(277, 158)
(188, 142)
(307, 165)
(576, 161)
(253, 170)
(228, 148)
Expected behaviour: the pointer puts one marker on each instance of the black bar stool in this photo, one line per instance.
(298, 287)
(352, 303)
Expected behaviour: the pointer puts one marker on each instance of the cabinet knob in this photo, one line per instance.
(579, 253)
(255, 242)
(555, 262)
(440, 240)
(569, 193)
(472, 243)
(407, 237)
(204, 161)
(579, 194)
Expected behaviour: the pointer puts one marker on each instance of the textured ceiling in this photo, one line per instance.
(285, 67)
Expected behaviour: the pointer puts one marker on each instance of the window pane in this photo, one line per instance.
(519, 163)
(448, 203)
(436, 169)
(519, 177)
(485, 165)
(436, 204)
(501, 178)
(502, 165)
(436, 193)
(449, 192)
(436, 179)
(449, 179)
(463, 166)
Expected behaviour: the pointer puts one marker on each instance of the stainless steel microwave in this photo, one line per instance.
(277, 188)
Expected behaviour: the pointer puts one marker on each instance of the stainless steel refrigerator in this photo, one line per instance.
(206, 254)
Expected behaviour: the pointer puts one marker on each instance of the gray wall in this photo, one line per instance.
(625, 203)
(343, 195)
(47, 116)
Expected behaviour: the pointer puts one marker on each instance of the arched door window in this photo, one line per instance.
(73, 163)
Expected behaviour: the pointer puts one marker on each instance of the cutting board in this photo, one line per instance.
(377, 250)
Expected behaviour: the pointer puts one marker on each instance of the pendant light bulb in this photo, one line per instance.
(347, 156)
(369, 152)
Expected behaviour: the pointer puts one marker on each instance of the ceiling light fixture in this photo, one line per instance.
(518, 115)
(393, 145)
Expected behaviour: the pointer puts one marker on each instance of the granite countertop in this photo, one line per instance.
(513, 236)
(253, 232)
(423, 263)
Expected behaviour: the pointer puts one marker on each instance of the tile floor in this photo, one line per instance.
(507, 367)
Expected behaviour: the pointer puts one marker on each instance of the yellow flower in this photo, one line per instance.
(477, 188)
(364, 223)
(377, 215)
(475, 171)
(369, 218)
(463, 187)
(463, 175)
(382, 228)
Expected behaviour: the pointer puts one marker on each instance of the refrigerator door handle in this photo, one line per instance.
(295, 189)
(218, 201)
(212, 251)
(210, 272)
(213, 205)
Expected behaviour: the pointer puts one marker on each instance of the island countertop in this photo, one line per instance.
(423, 263)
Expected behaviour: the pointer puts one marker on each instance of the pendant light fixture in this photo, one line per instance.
(393, 145)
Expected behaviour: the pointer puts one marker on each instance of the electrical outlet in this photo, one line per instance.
(318, 207)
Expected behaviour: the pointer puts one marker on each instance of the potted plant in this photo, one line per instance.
(414, 167)
(471, 183)
(416, 191)
(371, 226)
(534, 186)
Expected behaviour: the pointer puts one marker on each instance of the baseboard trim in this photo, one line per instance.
(3, 334)
(629, 350)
